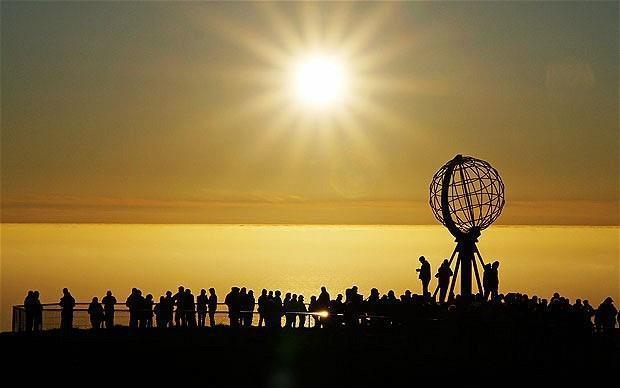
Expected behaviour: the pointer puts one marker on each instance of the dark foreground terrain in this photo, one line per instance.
(314, 357)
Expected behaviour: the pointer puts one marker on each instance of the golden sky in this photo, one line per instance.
(182, 112)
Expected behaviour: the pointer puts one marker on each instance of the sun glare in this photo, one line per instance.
(320, 81)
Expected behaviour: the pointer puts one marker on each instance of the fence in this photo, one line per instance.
(51, 316)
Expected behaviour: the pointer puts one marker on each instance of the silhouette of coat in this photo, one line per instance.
(96, 314)
(234, 306)
(109, 301)
(212, 306)
(67, 303)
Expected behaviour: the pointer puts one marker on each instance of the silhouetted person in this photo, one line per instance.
(160, 312)
(251, 302)
(337, 309)
(179, 314)
(234, 306)
(301, 307)
(108, 307)
(147, 318)
(588, 312)
(605, 316)
(494, 279)
(286, 308)
(67, 303)
(323, 303)
(443, 278)
(293, 309)
(313, 307)
(37, 308)
(168, 309)
(95, 313)
(269, 308)
(140, 308)
(277, 310)
(212, 306)
(424, 274)
(243, 305)
(201, 307)
(262, 305)
(29, 309)
(486, 276)
(133, 304)
(190, 308)
(372, 303)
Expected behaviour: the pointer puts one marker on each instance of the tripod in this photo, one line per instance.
(466, 259)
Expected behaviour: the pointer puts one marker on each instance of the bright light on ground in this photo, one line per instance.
(320, 81)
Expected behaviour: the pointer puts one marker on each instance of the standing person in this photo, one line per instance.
(29, 309)
(140, 302)
(588, 312)
(323, 304)
(251, 302)
(314, 308)
(486, 279)
(67, 303)
(212, 306)
(424, 274)
(262, 305)
(148, 311)
(179, 314)
(277, 310)
(269, 309)
(234, 306)
(605, 316)
(37, 308)
(201, 306)
(443, 277)
(133, 306)
(494, 280)
(286, 308)
(190, 308)
(243, 305)
(108, 307)
(168, 309)
(301, 308)
(95, 312)
(160, 312)
(293, 310)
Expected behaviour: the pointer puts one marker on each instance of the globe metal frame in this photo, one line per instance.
(466, 196)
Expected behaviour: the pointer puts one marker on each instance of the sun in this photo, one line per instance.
(320, 80)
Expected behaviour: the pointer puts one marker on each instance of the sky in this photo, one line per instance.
(173, 112)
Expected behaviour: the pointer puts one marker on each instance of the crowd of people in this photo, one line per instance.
(183, 309)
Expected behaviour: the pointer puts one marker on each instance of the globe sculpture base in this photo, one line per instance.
(467, 254)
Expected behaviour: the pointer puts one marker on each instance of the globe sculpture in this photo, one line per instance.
(466, 196)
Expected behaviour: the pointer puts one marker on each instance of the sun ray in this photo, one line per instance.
(336, 24)
(373, 22)
(251, 41)
(311, 23)
(282, 26)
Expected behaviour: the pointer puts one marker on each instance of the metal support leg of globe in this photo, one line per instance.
(467, 253)
(466, 256)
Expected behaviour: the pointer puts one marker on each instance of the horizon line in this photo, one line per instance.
(293, 224)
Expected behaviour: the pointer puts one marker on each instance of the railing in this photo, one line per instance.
(51, 316)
